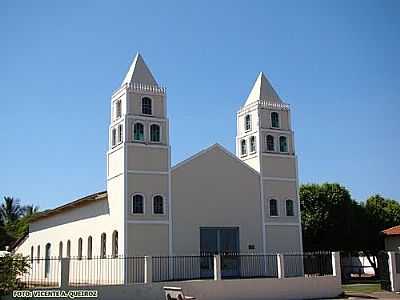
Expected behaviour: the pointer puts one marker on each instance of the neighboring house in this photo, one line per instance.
(392, 238)
(212, 202)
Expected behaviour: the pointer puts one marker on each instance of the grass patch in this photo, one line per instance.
(362, 287)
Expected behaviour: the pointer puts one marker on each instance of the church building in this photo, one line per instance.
(212, 202)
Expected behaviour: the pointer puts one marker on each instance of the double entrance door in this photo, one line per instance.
(223, 241)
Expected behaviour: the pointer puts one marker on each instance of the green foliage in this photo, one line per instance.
(11, 267)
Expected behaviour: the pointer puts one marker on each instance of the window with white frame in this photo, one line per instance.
(289, 208)
(158, 205)
(120, 133)
(274, 119)
(138, 132)
(118, 109)
(154, 133)
(89, 247)
(252, 144)
(38, 252)
(103, 244)
(60, 249)
(283, 145)
(113, 137)
(80, 248)
(68, 248)
(115, 244)
(270, 143)
(146, 106)
(247, 123)
(243, 147)
(137, 204)
(273, 207)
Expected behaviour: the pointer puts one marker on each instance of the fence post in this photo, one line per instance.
(64, 272)
(281, 265)
(336, 270)
(148, 269)
(217, 267)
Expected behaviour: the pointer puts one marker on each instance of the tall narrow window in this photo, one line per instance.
(38, 253)
(103, 244)
(155, 133)
(252, 144)
(270, 143)
(80, 248)
(68, 248)
(289, 208)
(60, 249)
(283, 147)
(243, 147)
(32, 249)
(118, 109)
(138, 132)
(114, 137)
(89, 247)
(47, 260)
(274, 119)
(158, 205)
(247, 123)
(115, 244)
(273, 207)
(137, 204)
(120, 133)
(146, 106)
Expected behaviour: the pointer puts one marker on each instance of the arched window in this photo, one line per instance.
(60, 249)
(118, 109)
(252, 144)
(47, 260)
(274, 119)
(80, 248)
(247, 123)
(113, 137)
(38, 253)
(120, 133)
(154, 133)
(283, 147)
(137, 204)
(243, 147)
(138, 132)
(270, 143)
(103, 241)
(158, 205)
(273, 207)
(146, 106)
(68, 248)
(289, 208)
(89, 247)
(115, 244)
(32, 250)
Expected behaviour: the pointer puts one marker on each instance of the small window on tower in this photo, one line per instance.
(118, 109)
(247, 123)
(274, 119)
(146, 106)
(243, 147)
(137, 204)
(252, 144)
(270, 143)
(273, 207)
(120, 132)
(138, 132)
(289, 208)
(113, 137)
(283, 146)
(158, 205)
(155, 133)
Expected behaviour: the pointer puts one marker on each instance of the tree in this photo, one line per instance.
(12, 266)
(10, 210)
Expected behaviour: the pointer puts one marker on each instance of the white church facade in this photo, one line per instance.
(213, 202)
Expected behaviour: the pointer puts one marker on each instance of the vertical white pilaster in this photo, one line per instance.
(148, 269)
(217, 267)
(281, 265)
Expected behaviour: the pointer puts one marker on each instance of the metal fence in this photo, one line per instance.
(190, 267)
(308, 264)
(42, 272)
(235, 266)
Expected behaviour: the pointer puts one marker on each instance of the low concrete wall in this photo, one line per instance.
(237, 289)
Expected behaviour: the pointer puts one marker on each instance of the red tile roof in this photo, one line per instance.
(392, 231)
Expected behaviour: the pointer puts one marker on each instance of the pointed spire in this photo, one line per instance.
(139, 73)
(262, 90)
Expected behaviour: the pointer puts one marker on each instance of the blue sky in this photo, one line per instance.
(336, 62)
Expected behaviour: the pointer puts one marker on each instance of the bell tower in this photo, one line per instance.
(138, 162)
(265, 141)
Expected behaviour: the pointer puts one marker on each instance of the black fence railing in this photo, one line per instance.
(178, 268)
(308, 264)
(42, 272)
(235, 266)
